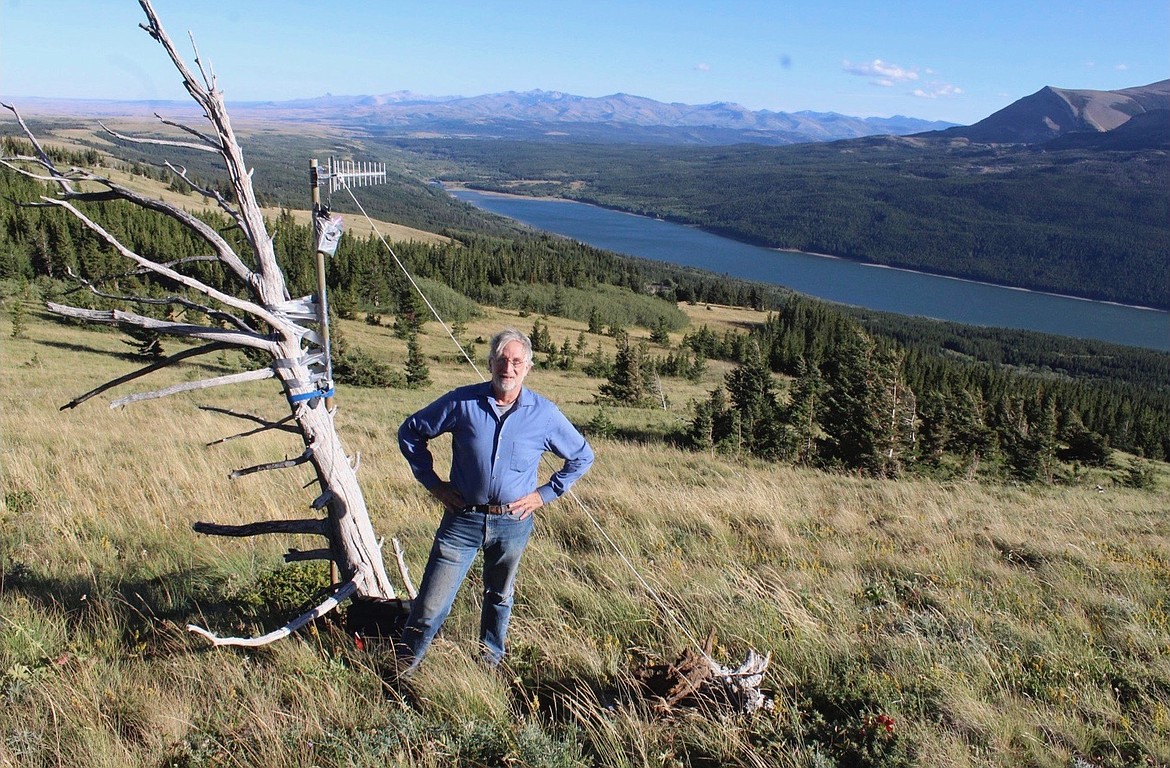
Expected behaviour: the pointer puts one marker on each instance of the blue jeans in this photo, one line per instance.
(460, 537)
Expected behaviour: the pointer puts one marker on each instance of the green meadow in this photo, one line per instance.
(910, 622)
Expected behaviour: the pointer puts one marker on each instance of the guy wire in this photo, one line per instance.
(658, 600)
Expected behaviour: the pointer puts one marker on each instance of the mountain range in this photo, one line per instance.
(532, 115)
(1091, 118)
(553, 115)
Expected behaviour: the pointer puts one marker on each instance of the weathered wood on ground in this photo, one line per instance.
(696, 681)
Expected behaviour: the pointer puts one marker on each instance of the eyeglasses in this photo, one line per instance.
(516, 362)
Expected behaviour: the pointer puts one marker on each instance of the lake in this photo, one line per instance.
(901, 291)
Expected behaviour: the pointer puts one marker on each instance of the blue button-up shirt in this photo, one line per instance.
(495, 458)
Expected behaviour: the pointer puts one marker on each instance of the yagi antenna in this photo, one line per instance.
(350, 173)
(335, 175)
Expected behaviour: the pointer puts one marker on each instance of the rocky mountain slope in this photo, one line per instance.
(1054, 112)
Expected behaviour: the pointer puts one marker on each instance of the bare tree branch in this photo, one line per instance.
(116, 191)
(193, 131)
(208, 333)
(211, 312)
(303, 458)
(192, 386)
(205, 349)
(403, 571)
(223, 204)
(311, 526)
(189, 282)
(301, 555)
(55, 176)
(43, 156)
(209, 146)
(346, 590)
(265, 424)
(211, 100)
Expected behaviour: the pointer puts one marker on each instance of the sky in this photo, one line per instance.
(951, 61)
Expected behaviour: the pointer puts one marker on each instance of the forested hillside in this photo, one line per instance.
(1077, 222)
(970, 399)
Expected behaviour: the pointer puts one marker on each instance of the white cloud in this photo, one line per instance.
(1122, 67)
(937, 91)
(882, 73)
(703, 66)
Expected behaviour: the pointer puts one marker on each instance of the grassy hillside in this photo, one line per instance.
(990, 625)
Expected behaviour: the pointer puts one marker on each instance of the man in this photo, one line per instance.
(499, 430)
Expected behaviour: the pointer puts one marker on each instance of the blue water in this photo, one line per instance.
(889, 290)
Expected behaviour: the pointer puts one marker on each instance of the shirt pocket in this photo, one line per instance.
(525, 456)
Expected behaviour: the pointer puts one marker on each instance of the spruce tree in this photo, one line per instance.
(660, 332)
(568, 355)
(596, 326)
(851, 430)
(625, 384)
(802, 415)
(417, 373)
(752, 392)
(19, 326)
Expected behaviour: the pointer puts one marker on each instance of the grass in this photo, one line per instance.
(984, 624)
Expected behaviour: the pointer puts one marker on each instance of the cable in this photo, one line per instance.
(419, 290)
(654, 596)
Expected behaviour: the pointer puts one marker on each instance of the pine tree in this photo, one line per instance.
(625, 384)
(147, 344)
(802, 416)
(701, 432)
(541, 338)
(934, 433)
(851, 431)
(412, 313)
(970, 436)
(567, 356)
(19, 326)
(596, 326)
(752, 392)
(660, 332)
(557, 308)
(601, 425)
(417, 373)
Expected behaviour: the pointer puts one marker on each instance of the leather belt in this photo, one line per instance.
(487, 509)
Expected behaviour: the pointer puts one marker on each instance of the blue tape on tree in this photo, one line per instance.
(302, 397)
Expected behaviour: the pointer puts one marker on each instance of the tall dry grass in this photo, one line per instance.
(994, 625)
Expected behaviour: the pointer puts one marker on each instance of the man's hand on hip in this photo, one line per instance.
(526, 505)
(449, 497)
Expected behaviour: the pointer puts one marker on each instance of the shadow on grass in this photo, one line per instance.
(139, 360)
(151, 615)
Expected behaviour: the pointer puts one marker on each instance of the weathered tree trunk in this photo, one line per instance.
(268, 321)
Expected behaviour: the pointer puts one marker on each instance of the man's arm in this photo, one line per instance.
(567, 442)
(417, 431)
(414, 435)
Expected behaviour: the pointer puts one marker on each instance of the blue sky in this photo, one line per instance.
(943, 61)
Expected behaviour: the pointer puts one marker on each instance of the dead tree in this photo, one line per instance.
(267, 321)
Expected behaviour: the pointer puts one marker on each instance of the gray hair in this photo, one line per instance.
(503, 339)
